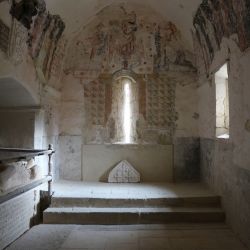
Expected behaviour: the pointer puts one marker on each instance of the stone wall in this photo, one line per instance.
(153, 162)
(187, 159)
(18, 215)
(225, 163)
(222, 35)
(151, 49)
(33, 59)
(21, 136)
(229, 180)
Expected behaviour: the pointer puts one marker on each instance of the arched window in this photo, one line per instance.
(125, 110)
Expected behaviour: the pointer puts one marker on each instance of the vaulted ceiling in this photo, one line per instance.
(78, 13)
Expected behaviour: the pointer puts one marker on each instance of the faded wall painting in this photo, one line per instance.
(124, 36)
(135, 39)
(38, 33)
(154, 113)
(43, 42)
(216, 19)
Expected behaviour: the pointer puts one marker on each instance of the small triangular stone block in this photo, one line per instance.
(124, 172)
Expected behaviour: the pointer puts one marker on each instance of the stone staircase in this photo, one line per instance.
(112, 211)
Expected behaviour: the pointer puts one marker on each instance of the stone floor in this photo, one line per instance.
(130, 190)
(139, 237)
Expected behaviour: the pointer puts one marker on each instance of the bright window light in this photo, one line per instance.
(127, 116)
(222, 103)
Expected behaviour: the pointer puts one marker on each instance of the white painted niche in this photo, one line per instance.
(222, 102)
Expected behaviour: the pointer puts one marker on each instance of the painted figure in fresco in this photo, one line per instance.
(168, 34)
(98, 41)
(171, 32)
(129, 27)
(112, 41)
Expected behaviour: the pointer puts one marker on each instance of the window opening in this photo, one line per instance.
(222, 103)
(127, 114)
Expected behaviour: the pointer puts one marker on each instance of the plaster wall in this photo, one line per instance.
(74, 163)
(162, 67)
(18, 215)
(225, 164)
(21, 136)
(41, 83)
(153, 162)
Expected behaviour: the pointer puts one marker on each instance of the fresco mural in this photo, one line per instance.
(94, 97)
(131, 38)
(156, 116)
(44, 37)
(34, 27)
(126, 37)
(216, 19)
(160, 102)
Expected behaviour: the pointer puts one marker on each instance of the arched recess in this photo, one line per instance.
(20, 115)
(15, 94)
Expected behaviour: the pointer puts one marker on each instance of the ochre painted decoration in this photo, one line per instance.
(124, 172)
(132, 38)
(124, 36)
(216, 19)
(94, 96)
(45, 45)
(44, 37)
(160, 103)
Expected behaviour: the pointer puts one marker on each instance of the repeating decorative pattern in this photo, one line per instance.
(160, 105)
(94, 94)
(4, 37)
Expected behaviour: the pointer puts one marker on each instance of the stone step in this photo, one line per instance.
(123, 216)
(192, 201)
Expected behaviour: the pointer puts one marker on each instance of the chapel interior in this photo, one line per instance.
(125, 124)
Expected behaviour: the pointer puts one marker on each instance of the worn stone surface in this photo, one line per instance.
(153, 162)
(70, 153)
(17, 136)
(18, 214)
(225, 163)
(187, 159)
(132, 237)
(230, 181)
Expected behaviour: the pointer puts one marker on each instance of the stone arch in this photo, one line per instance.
(14, 93)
